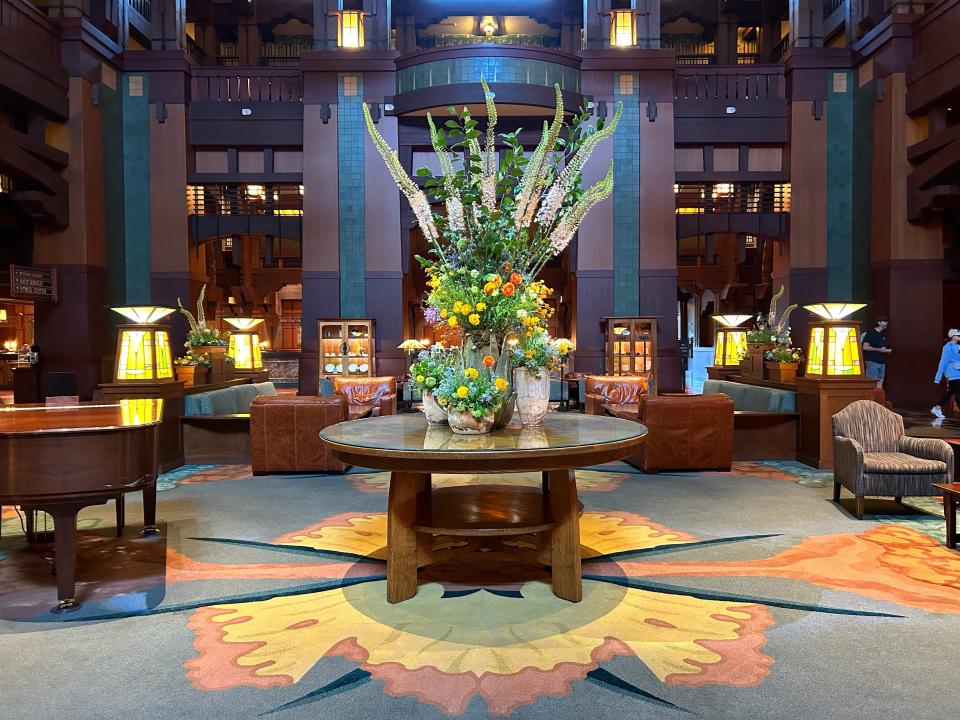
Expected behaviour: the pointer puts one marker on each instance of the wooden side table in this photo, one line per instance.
(951, 495)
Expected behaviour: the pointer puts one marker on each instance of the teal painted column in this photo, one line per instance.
(626, 194)
(864, 102)
(840, 183)
(136, 187)
(350, 174)
(111, 126)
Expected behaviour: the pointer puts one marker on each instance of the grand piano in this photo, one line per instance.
(60, 459)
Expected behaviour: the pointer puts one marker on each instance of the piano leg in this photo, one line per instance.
(121, 514)
(65, 559)
(150, 508)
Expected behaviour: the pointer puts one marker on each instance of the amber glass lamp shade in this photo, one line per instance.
(350, 29)
(621, 28)
(834, 349)
(143, 348)
(730, 340)
(245, 344)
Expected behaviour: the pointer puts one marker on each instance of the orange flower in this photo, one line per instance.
(506, 266)
(489, 288)
(508, 289)
(516, 278)
(488, 360)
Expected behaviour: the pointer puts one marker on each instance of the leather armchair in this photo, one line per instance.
(285, 429)
(684, 432)
(619, 389)
(872, 456)
(378, 394)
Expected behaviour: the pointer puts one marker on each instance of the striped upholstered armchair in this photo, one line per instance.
(872, 456)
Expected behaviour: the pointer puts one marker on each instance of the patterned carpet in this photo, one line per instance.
(713, 595)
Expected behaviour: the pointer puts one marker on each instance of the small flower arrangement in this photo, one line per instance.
(427, 372)
(770, 329)
(193, 359)
(200, 333)
(784, 354)
(469, 391)
(537, 350)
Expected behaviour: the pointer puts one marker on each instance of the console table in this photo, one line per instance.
(412, 450)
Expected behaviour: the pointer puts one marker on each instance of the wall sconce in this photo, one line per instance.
(350, 29)
(143, 347)
(3, 315)
(730, 340)
(622, 28)
(244, 345)
(834, 348)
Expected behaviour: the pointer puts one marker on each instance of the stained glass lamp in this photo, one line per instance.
(730, 340)
(143, 346)
(834, 349)
(245, 345)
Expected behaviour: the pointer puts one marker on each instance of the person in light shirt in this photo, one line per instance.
(949, 368)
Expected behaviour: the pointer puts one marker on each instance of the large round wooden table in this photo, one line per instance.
(416, 512)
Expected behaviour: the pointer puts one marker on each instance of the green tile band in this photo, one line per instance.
(840, 179)
(626, 191)
(492, 69)
(350, 174)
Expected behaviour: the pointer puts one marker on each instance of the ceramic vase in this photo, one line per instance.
(532, 387)
(464, 423)
(435, 414)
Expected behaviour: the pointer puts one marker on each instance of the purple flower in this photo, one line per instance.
(431, 315)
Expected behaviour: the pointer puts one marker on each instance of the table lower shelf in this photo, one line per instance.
(483, 511)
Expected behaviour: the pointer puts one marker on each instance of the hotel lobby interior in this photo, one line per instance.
(479, 358)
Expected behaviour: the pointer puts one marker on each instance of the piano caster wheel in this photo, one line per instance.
(66, 606)
(150, 530)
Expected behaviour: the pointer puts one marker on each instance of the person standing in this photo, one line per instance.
(949, 368)
(875, 350)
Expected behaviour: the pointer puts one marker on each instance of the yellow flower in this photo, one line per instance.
(452, 322)
(420, 378)
(462, 391)
(500, 384)
(481, 306)
(474, 319)
(443, 313)
(466, 309)
(471, 373)
(456, 306)
(442, 400)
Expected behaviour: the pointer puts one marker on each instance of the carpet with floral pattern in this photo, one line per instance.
(746, 594)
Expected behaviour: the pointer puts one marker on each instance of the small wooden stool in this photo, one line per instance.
(951, 494)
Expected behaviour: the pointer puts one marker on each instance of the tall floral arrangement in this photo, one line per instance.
(771, 329)
(200, 333)
(493, 223)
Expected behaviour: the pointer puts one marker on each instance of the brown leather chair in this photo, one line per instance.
(619, 389)
(285, 429)
(376, 394)
(684, 432)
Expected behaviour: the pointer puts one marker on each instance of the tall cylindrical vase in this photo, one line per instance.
(435, 414)
(532, 387)
(473, 353)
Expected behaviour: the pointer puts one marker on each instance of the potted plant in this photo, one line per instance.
(782, 363)
(533, 358)
(192, 369)
(471, 400)
(505, 215)
(768, 332)
(206, 340)
(425, 375)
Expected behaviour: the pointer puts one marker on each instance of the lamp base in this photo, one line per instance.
(818, 400)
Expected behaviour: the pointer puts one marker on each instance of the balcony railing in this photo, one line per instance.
(705, 198)
(428, 42)
(761, 82)
(279, 199)
(831, 6)
(25, 22)
(142, 7)
(256, 84)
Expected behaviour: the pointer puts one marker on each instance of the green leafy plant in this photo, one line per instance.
(536, 350)
(193, 359)
(427, 372)
(200, 333)
(784, 354)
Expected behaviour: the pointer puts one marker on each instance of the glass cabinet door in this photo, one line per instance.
(356, 360)
(331, 348)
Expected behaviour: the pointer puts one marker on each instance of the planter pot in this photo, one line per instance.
(533, 394)
(782, 371)
(745, 367)
(191, 374)
(229, 371)
(216, 353)
(757, 362)
(463, 423)
(436, 415)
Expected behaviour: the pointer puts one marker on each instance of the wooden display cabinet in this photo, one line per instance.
(347, 348)
(630, 347)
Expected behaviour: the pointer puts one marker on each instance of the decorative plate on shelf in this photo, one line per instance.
(340, 368)
(352, 367)
(364, 367)
(329, 367)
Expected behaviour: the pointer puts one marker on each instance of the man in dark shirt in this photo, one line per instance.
(875, 351)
